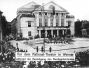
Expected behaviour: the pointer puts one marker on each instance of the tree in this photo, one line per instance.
(5, 26)
(78, 29)
(85, 26)
(83, 58)
(13, 26)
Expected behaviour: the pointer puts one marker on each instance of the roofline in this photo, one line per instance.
(55, 4)
(26, 4)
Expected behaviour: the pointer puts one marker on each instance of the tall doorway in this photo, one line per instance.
(54, 33)
(42, 33)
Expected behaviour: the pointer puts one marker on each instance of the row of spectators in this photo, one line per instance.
(59, 40)
(48, 64)
(12, 37)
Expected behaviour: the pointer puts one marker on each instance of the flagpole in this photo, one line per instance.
(43, 25)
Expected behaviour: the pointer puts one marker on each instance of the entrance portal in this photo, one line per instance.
(60, 32)
(42, 33)
(68, 32)
(48, 33)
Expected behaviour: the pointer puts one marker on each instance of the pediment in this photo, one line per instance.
(32, 6)
(29, 5)
(48, 5)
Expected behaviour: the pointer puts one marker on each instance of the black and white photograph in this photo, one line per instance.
(44, 26)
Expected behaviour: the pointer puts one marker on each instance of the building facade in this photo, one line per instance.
(47, 20)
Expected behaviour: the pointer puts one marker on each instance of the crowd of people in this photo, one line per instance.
(59, 40)
(7, 52)
(49, 64)
(7, 55)
(45, 64)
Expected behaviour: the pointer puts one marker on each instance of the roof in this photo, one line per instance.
(28, 7)
(46, 7)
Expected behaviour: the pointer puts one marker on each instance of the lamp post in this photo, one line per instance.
(1, 31)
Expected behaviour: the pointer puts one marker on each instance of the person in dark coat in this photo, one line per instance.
(45, 65)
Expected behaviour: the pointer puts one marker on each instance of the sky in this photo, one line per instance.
(78, 8)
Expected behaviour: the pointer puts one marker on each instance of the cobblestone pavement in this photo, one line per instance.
(79, 44)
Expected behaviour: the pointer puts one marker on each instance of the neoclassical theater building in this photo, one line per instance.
(44, 20)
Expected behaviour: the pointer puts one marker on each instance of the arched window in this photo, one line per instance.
(51, 6)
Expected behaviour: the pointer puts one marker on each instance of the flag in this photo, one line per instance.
(42, 9)
(53, 10)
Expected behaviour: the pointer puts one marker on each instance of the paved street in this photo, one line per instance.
(79, 44)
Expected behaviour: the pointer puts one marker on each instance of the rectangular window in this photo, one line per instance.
(46, 21)
(29, 33)
(62, 22)
(51, 22)
(29, 23)
(40, 22)
(57, 22)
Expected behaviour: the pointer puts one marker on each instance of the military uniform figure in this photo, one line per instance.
(37, 49)
(42, 48)
(50, 49)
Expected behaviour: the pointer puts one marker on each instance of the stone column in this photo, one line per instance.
(59, 19)
(65, 20)
(43, 23)
(52, 33)
(48, 19)
(37, 19)
(54, 20)
(63, 32)
(45, 33)
(40, 33)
